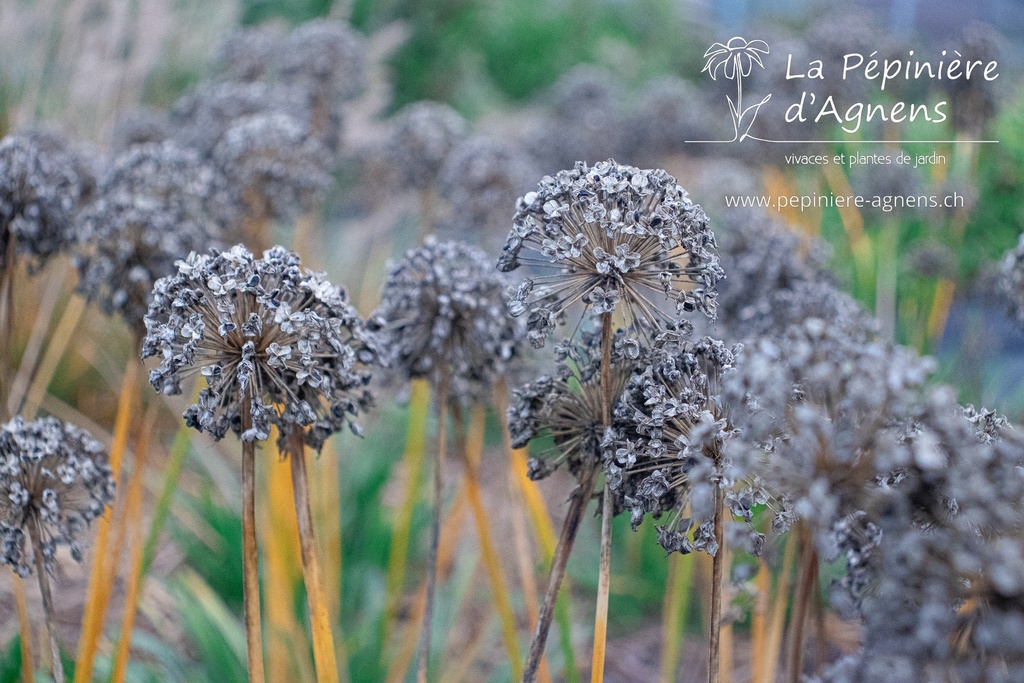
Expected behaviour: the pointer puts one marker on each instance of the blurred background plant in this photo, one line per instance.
(541, 83)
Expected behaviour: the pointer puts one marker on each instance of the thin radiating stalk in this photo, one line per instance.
(415, 444)
(98, 591)
(605, 573)
(717, 566)
(250, 552)
(435, 525)
(808, 579)
(577, 504)
(320, 621)
(499, 588)
(44, 590)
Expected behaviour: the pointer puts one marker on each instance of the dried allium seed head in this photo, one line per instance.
(616, 238)
(156, 204)
(586, 120)
(1011, 281)
(247, 55)
(43, 184)
(947, 585)
(481, 180)
(568, 407)
(442, 308)
(201, 119)
(422, 136)
(264, 329)
(329, 55)
(54, 475)
(139, 126)
(276, 166)
(678, 459)
(762, 257)
(670, 113)
(973, 101)
(931, 258)
(827, 407)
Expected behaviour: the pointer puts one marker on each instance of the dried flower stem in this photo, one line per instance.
(499, 587)
(250, 551)
(717, 565)
(426, 211)
(320, 621)
(44, 590)
(759, 621)
(778, 614)
(674, 611)
(24, 626)
(435, 523)
(808, 579)
(133, 512)
(577, 504)
(607, 511)
(43, 374)
(399, 666)
(412, 461)
(103, 563)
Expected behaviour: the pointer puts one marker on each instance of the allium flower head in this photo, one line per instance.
(422, 136)
(330, 55)
(54, 475)
(678, 459)
(670, 112)
(156, 204)
(616, 238)
(481, 180)
(247, 55)
(277, 167)
(947, 584)
(139, 126)
(442, 308)
(1011, 280)
(261, 327)
(973, 101)
(568, 407)
(43, 184)
(586, 120)
(201, 118)
(828, 408)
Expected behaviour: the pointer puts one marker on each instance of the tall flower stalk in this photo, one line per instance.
(442, 318)
(609, 239)
(277, 345)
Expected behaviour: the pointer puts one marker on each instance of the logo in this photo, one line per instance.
(735, 60)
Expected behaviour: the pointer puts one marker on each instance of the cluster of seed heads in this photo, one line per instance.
(616, 239)
(54, 480)
(1011, 281)
(823, 415)
(677, 458)
(44, 182)
(480, 180)
(442, 311)
(568, 406)
(156, 203)
(946, 580)
(421, 138)
(274, 164)
(270, 339)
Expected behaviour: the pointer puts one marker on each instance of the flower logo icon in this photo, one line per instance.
(735, 59)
